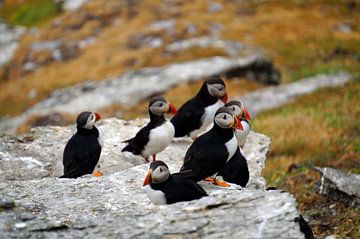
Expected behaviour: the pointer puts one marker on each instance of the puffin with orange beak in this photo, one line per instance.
(210, 152)
(157, 134)
(82, 151)
(164, 188)
(194, 117)
(243, 115)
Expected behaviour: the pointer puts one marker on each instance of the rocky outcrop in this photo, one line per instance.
(340, 186)
(9, 37)
(275, 96)
(36, 204)
(132, 87)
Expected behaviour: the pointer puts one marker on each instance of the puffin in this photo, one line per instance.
(82, 151)
(157, 134)
(164, 188)
(210, 152)
(244, 117)
(197, 114)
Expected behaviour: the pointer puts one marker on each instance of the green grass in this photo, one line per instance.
(30, 12)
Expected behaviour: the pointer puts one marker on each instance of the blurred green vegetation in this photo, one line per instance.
(30, 12)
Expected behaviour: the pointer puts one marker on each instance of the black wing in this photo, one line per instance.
(236, 170)
(205, 157)
(136, 145)
(81, 154)
(187, 118)
(179, 189)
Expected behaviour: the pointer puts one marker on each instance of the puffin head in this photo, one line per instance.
(239, 109)
(216, 88)
(159, 106)
(158, 173)
(87, 119)
(225, 118)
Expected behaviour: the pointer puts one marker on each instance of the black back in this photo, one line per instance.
(179, 189)
(236, 170)
(81, 153)
(188, 117)
(207, 155)
(136, 145)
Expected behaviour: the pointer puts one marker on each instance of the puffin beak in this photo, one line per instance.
(237, 123)
(172, 109)
(97, 116)
(224, 98)
(247, 115)
(148, 178)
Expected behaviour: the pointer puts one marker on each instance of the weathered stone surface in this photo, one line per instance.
(116, 205)
(275, 96)
(132, 87)
(340, 185)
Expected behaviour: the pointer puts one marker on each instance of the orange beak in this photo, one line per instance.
(237, 124)
(148, 178)
(247, 115)
(172, 109)
(97, 116)
(224, 98)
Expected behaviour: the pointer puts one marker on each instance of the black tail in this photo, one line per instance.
(128, 148)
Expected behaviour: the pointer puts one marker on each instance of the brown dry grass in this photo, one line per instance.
(288, 30)
(322, 129)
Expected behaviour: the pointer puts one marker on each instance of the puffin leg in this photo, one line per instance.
(97, 173)
(147, 160)
(154, 157)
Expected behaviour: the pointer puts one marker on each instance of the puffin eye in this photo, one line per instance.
(224, 117)
(161, 104)
(161, 170)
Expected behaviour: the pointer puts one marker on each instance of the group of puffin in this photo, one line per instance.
(217, 152)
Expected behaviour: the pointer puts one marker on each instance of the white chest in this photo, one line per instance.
(231, 146)
(208, 118)
(156, 196)
(241, 135)
(159, 138)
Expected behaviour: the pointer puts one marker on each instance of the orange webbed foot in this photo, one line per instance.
(97, 173)
(221, 183)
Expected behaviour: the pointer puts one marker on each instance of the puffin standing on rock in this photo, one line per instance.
(164, 188)
(157, 134)
(82, 151)
(198, 113)
(243, 115)
(209, 153)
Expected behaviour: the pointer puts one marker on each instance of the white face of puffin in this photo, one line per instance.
(161, 107)
(216, 89)
(237, 110)
(226, 120)
(160, 174)
(157, 173)
(93, 117)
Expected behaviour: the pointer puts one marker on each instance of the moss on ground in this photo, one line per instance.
(30, 12)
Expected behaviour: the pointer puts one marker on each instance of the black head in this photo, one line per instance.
(159, 106)
(239, 109)
(216, 88)
(158, 173)
(87, 119)
(225, 118)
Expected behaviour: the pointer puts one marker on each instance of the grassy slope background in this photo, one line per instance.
(302, 37)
